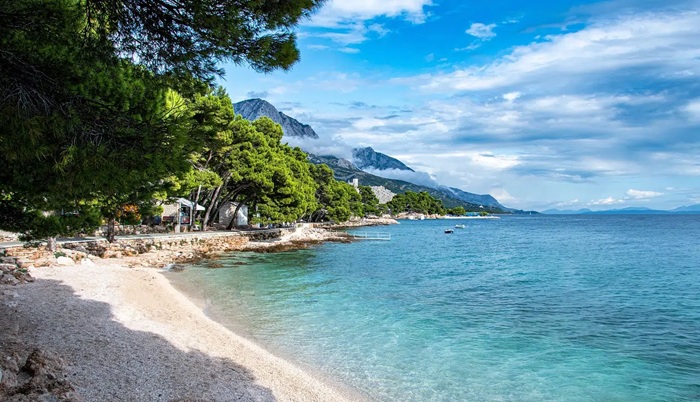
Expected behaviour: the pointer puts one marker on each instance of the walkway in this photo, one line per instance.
(164, 236)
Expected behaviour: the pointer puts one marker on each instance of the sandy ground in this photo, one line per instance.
(125, 334)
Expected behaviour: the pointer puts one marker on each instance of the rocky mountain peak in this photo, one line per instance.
(369, 158)
(252, 109)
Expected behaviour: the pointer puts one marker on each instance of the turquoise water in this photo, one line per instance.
(565, 308)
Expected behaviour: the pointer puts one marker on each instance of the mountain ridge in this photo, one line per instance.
(688, 209)
(252, 109)
(368, 157)
(345, 170)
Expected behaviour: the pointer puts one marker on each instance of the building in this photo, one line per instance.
(226, 214)
(383, 194)
(178, 212)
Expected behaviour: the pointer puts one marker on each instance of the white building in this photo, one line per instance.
(383, 194)
(226, 214)
(178, 212)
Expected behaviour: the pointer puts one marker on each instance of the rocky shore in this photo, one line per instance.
(93, 321)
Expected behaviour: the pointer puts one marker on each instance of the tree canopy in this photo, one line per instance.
(416, 203)
(189, 37)
(92, 123)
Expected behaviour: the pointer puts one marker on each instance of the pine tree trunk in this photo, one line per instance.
(233, 218)
(110, 230)
(212, 204)
(235, 215)
(193, 210)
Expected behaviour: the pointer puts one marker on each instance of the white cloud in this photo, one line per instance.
(467, 48)
(503, 196)
(607, 201)
(642, 195)
(481, 31)
(317, 47)
(420, 178)
(336, 12)
(659, 44)
(353, 33)
(511, 96)
(569, 203)
(692, 109)
(368, 123)
(349, 50)
(354, 22)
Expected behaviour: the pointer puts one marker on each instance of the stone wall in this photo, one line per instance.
(170, 248)
(121, 230)
(186, 244)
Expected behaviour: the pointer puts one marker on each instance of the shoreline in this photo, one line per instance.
(118, 329)
(145, 330)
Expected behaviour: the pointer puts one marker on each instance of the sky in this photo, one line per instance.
(543, 104)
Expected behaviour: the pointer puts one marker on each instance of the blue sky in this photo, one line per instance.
(543, 104)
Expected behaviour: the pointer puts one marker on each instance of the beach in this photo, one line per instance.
(127, 334)
(107, 329)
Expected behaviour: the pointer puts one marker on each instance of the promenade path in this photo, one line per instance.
(164, 236)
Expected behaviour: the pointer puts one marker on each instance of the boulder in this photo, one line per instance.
(8, 267)
(65, 261)
(9, 280)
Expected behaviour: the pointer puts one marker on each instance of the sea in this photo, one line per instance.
(522, 308)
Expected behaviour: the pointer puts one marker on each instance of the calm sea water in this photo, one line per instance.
(565, 308)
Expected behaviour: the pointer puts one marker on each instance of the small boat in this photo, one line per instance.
(460, 226)
(449, 231)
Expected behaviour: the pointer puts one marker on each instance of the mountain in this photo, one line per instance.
(479, 199)
(345, 170)
(369, 158)
(364, 158)
(566, 211)
(628, 211)
(252, 109)
(688, 209)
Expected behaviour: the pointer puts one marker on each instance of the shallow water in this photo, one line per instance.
(571, 308)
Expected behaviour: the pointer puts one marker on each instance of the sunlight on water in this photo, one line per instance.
(522, 308)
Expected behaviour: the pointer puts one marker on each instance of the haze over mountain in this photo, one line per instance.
(252, 109)
(689, 209)
(367, 159)
(346, 170)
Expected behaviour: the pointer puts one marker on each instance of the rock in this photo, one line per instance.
(8, 267)
(252, 109)
(176, 268)
(65, 261)
(9, 280)
(81, 249)
(87, 262)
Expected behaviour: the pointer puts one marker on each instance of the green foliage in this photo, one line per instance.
(189, 37)
(457, 211)
(421, 202)
(34, 224)
(337, 201)
(91, 124)
(287, 187)
(370, 202)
